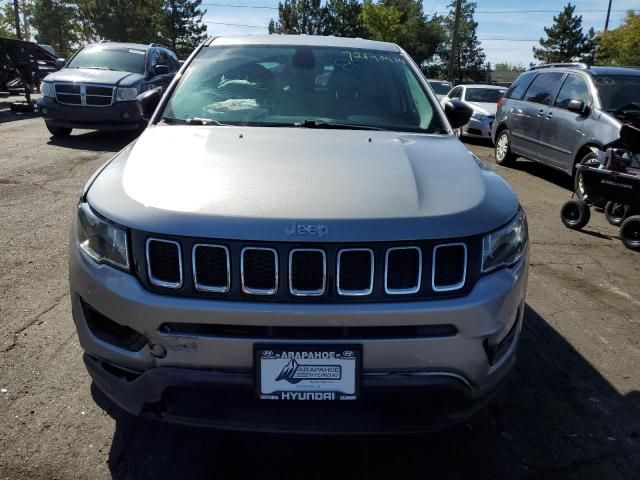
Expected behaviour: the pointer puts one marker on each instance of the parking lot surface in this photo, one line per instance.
(570, 411)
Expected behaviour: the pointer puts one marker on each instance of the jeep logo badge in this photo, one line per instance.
(310, 229)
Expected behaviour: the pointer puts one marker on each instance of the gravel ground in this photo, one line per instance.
(572, 409)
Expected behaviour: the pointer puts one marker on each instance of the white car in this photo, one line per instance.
(440, 88)
(483, 99)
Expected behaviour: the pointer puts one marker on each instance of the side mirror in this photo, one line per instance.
(148, 101)
(60, 62)
(576, 106)
(457, 112)
(161, 69)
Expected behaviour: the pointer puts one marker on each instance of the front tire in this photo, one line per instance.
(630, 232)
(59, 131)
(578, 184)
(575, 214)
(503, 153)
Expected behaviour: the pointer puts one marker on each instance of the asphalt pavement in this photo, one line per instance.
(570, 411)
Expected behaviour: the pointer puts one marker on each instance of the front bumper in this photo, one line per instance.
(408, 384)
(478, 128)
(118, 116)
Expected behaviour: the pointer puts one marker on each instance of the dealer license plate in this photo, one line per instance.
(293, 372)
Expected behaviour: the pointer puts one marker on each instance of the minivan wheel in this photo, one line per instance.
(59, 131)
(578, 184)
(616, 213)
(630, 232)
(575, 214)
(504, 156)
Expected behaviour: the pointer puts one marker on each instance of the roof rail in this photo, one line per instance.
(581, 65)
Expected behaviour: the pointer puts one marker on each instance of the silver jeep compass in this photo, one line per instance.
(297, 242)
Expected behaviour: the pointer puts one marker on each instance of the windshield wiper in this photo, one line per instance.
(632, 106)
(336, 126)
(191, 121)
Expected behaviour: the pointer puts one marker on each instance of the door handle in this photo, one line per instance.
(550, 115)
(540, 113)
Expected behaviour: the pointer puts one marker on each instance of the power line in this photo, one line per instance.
(550, 11)
(238, 6)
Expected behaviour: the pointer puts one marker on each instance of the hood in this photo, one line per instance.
(488, 108)
(92, 75)
(254, 182)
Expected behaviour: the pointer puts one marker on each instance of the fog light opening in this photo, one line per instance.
(496, 350)
(112, 332)
(125, 116)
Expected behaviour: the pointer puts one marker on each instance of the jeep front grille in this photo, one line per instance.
(232, 269)
(88, 95)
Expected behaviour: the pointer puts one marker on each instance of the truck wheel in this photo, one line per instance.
(59, 131)
(504, 156)
(630, 232)
(575, 214)
(616, 213)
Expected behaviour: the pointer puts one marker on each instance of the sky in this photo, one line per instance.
(506, 37)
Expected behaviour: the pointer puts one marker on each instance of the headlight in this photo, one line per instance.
(126, 94)
(479, 116)
(505, 246)
(47, 90)
(102, 241)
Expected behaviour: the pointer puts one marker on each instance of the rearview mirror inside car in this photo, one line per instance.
(457, 112)
(148, 102)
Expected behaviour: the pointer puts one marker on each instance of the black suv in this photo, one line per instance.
(98, 87)
(556, 113)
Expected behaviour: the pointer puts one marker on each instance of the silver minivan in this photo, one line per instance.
(555, 114)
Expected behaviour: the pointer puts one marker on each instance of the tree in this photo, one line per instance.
(402, 22)
(565, 40)
(56, 22)
(7, 21)
(342, 18)
(299, 17)
(182, 29)
(509, 67)
(621, 46)
(470, 57)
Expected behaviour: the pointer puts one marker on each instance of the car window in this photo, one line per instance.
(283, 85)
(455, 93)
(516, 91)
(543, 87)
(484, 95)
(619, 92)
(440, 88)
(101, 57)
(573, 88)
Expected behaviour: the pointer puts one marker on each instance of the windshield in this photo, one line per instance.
(100, 57)
(619, 92)
(486, 95)
(440, 88)
(287, 85)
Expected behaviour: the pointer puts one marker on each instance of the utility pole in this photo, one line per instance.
(16, 14)
(454, 41)
(606, 23)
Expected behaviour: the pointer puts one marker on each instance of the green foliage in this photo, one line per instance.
(299, 17)
(621, 46)
(6, 21)
(381, 22)
(509, 67)
(56, 22)
(565, 40)
(469, 63)
(342, 18)
(182, 29)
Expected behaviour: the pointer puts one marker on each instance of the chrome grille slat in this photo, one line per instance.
(448, 287)
(202, 285)
(341, 287)
(408, 289)
(306, 292)
(154, 259)
(86, 94)
(246, 272)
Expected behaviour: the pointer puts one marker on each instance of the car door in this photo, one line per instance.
(537, 99)
(561, 130)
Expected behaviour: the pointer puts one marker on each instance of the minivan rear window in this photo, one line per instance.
(543, 87)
